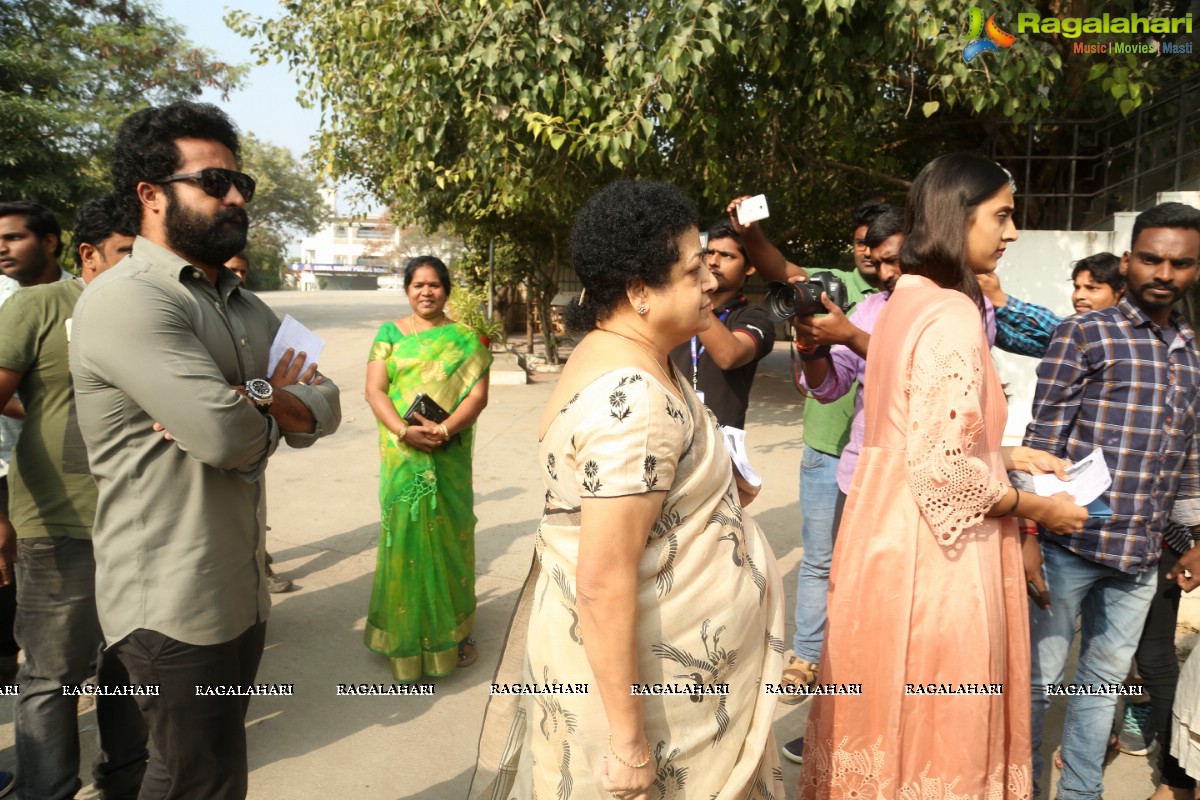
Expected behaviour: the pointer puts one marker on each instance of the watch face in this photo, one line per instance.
(258, 389)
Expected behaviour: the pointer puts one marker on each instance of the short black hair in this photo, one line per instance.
(628, 230)
(885, 226)
(98, 219)
(433, 262)
(867, 212)
(723, 229)
(38, 219)
(145, 149)
(1103, 267)
(1166, 215)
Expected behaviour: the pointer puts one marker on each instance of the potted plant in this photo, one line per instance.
(468, 306)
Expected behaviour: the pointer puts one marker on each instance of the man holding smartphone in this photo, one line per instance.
(722, 360)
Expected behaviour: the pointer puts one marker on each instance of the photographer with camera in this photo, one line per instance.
(826, 432)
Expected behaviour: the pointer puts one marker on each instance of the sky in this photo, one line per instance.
(267, 105)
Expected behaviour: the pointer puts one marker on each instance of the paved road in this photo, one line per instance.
(324, 519)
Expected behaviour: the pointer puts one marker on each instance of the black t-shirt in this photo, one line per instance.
(727, 392)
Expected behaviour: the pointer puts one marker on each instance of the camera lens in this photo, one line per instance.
(780, 301)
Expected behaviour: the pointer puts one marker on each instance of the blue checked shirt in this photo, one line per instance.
(1024, 328)
(1111, 379)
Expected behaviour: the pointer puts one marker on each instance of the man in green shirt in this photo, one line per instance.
(52, 504)
(826, 431)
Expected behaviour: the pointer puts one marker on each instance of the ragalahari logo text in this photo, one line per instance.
(984, 38)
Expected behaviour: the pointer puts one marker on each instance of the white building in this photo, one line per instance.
(371, 241)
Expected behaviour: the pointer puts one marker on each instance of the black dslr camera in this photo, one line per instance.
(787, 300)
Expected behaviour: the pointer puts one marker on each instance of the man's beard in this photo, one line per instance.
(26, 274)
(202, 240)
(1153, 303)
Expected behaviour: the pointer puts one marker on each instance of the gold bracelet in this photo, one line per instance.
(445, 433)
(623, 761)
(404, 432)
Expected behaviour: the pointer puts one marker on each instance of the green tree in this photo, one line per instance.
(287, 202)
(70, 71)
(499, 117)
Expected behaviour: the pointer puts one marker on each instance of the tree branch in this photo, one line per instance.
(889, 179)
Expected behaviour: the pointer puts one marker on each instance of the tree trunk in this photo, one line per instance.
(549, 290)
(528, 318)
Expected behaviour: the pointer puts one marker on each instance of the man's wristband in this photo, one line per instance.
(814, 353)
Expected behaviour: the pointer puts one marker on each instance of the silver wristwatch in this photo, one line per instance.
(260, 393)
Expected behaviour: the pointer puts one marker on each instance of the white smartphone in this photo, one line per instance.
(752, 209)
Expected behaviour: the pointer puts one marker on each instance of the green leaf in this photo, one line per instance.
(666, 100)
(928, 109)
(557, 139)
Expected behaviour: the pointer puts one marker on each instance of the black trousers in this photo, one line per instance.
(1159, 668)
(199, 741)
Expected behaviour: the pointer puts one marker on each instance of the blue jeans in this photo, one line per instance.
(1112, 606)
(818, 501)
(60, 633)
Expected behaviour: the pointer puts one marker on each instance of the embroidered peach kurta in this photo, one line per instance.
(927, 607)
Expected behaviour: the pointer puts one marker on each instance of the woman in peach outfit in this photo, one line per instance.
(927, 607)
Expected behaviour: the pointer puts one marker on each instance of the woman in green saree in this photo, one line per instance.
(423, 600)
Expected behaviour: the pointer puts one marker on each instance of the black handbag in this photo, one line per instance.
(428, 408)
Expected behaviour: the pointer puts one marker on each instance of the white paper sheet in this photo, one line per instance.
(1089, 478)
(293, 334)
(735, 443)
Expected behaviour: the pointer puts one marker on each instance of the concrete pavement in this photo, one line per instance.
(324, 516)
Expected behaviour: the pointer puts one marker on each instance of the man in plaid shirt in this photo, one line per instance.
(1124, 379)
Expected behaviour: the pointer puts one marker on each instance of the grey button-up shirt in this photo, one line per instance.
(179, 533)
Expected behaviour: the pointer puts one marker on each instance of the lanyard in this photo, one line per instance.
(698, 350)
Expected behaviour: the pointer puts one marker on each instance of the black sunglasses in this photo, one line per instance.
(215, 181)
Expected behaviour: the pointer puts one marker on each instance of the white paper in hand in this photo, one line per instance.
(292, 334)
(1088, 479)
(735, 443)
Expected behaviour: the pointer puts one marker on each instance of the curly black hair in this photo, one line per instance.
(627, 230)
(98, 219)
(145, 149)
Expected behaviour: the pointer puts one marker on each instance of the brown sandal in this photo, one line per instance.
(466, 652)
(797, 674)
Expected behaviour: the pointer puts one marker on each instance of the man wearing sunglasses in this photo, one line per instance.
(179, 415)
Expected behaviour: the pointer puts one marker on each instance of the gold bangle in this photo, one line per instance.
(445, 433)
(626, 763)
(404, 431)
